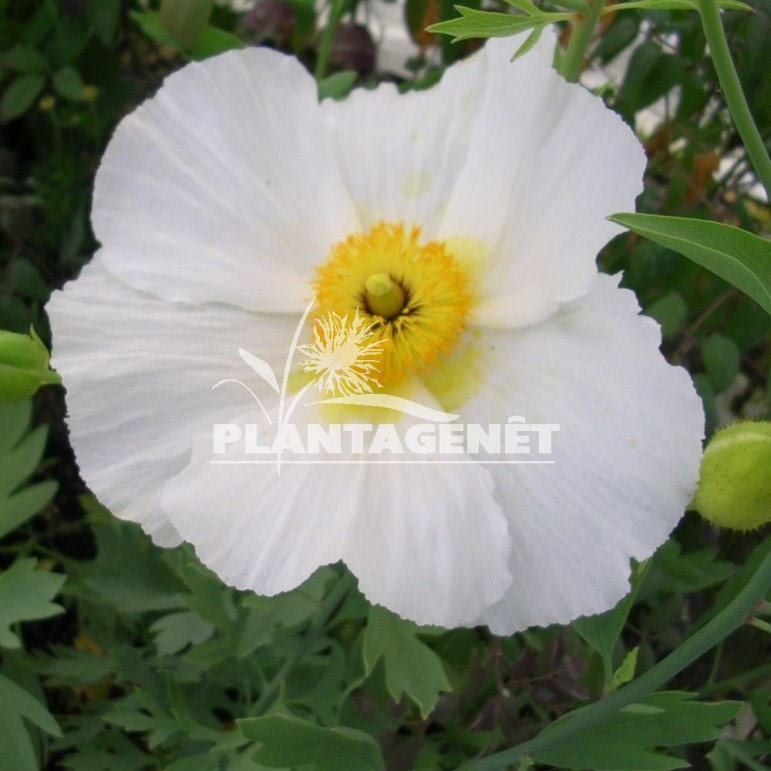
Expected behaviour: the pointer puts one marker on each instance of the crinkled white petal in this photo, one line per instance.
(546, 164)
(626, 456)
(224, 186)
(504, 158)
(139, 374)
(427, 541)
(400, 154)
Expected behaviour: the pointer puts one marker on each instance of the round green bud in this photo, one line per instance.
(735, 479)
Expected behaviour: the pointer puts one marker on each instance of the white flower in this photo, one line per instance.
(225, 203)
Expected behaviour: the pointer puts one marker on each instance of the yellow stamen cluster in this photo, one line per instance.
(415, 295)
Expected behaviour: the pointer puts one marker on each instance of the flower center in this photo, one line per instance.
(416, 296)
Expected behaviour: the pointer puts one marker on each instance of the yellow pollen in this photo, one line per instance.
(415, 295)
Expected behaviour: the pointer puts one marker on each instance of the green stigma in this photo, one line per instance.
(385, 297)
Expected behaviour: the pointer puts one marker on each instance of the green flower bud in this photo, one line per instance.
(23, 366)
(185, 20)
(735, 482)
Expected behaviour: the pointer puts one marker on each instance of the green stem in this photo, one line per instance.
(718, 628)
(335, 12)
(580, 41)
(331, 603)
(732, 91)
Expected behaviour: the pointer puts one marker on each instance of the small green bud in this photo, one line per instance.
(185, 20)
(23, 366)
(735, 481)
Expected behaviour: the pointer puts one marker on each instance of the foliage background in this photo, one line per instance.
(117, 655)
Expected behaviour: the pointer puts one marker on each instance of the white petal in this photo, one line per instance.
(224, 186)
(626, 456)
(429, 542)
(547, 163)
(139, 374)
(401, 154)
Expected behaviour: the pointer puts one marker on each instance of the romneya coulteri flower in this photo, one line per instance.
(460, 226)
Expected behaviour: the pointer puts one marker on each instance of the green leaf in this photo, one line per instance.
(337, 86)
(603, 630)
(23, 365)
(670, 311)
(287, 741)
(104, 17)
(121, 547)
(677, 5)
(75, 668)
(721, 360)
(139, 712)
(472, 24)
(627, 740)
(20, 96)
(25, 595)
(20, 454)
(178, 630)
(15, 740)
(210, 42)
(24, 59)
(185, 20)
(149, 23)
(69, 84)
(625, 673)
(411, 667)
(735, 255)
(213, 41)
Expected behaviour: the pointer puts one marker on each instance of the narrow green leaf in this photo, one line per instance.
(287, 742)
(20, 96)
(674, 5)
(530, 41)
(411, 667)
(739, 257)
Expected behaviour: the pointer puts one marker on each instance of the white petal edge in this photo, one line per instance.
(546, 164)
(139, 374)
(428, 542)
(627, 455)
(224, 186)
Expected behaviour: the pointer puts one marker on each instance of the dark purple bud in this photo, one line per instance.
(353, 49)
